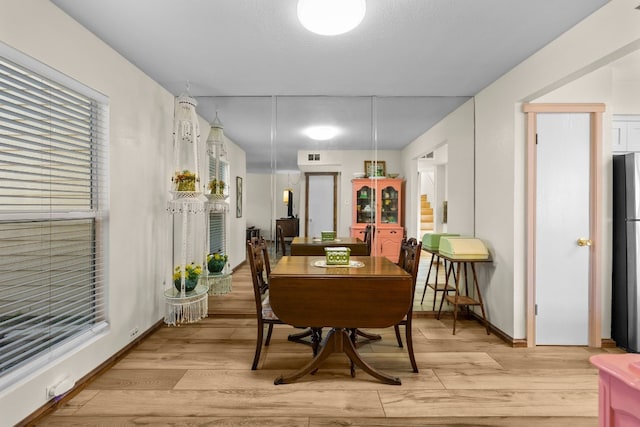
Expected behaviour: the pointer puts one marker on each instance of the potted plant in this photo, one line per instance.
(185, 180)
(216, 188)
(216, 262)
(192, 275)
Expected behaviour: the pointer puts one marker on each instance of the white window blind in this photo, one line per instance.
(52, 212)
(217, 219)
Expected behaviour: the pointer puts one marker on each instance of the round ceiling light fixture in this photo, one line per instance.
(331, 17)
(321, 133)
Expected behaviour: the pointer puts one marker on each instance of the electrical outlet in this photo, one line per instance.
(133, 332)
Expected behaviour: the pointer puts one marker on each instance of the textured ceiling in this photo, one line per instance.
(419, 58)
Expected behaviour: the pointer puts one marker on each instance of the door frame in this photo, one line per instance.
(306, 199)
(595, 111)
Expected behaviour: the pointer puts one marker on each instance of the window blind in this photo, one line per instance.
(52, 211)
(217, 219)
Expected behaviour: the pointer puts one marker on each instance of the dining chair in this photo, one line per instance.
(280, 240)
(257, 251)
(369, 231)
(265, 315)
(262, 244)
(409, 260)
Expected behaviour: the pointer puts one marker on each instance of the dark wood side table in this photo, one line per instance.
(290, 226)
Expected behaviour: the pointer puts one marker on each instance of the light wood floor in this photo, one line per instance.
(199, 374)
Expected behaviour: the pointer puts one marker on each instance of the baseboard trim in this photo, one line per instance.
(50, 406)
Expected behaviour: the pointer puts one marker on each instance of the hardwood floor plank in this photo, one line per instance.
(525, 358)
(206, 403)
(152, 360)
(175, 421)
(198, 333)
(495, 403)
(519, 379)
(324, 379)
(457, 422)
(138, 379)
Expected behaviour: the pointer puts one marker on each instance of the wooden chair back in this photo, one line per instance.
(256, 251)
(280, 240)
(369, 231)
(409, 258)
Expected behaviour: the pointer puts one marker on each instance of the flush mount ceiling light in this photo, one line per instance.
(321, 133)
(331, 17)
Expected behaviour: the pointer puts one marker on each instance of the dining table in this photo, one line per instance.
(369, 292)
(315, 245)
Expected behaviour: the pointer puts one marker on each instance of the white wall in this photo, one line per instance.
(141, 166)
(237, 226)
(626, 85)
(457, 132)
(260, 204)
(264, 199)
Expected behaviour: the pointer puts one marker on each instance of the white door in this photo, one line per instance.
(562, 217)
(320, 204)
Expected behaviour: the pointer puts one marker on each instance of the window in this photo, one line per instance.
(52, 213)
(217, 216)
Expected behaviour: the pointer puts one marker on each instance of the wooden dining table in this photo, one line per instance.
(372, 292)
(315, 245)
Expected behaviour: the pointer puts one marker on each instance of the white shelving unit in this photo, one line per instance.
(188, 209)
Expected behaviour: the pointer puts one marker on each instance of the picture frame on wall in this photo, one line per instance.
(238, 197)
(373, 169)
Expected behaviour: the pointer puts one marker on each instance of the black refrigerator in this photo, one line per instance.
(625, 301)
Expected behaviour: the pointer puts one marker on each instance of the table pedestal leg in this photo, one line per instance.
(368, 336)
(337, 341)
(300, 335)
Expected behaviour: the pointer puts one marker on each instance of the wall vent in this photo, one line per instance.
(313, 157)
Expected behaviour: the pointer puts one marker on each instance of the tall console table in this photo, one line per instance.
(459, 266)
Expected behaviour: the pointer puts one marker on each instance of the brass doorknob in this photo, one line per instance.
(584, 242)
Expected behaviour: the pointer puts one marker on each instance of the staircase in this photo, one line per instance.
(426, 216)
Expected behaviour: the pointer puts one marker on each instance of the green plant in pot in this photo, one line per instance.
(216, 262)
(185, 180)
(192, 275)
(216, 187)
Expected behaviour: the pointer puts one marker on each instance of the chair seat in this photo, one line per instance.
(267, 312)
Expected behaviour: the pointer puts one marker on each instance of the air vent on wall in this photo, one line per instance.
(314, 157)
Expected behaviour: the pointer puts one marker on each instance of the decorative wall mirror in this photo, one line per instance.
(275, 164)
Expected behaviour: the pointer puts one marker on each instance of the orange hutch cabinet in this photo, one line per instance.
(379, 202)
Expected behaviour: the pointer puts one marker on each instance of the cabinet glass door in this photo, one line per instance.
(366, 205)
(389, 206)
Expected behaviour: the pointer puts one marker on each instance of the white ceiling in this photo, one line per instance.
(420, 59)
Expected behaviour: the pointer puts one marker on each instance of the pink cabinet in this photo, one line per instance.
(619, 389)
(379, 202)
